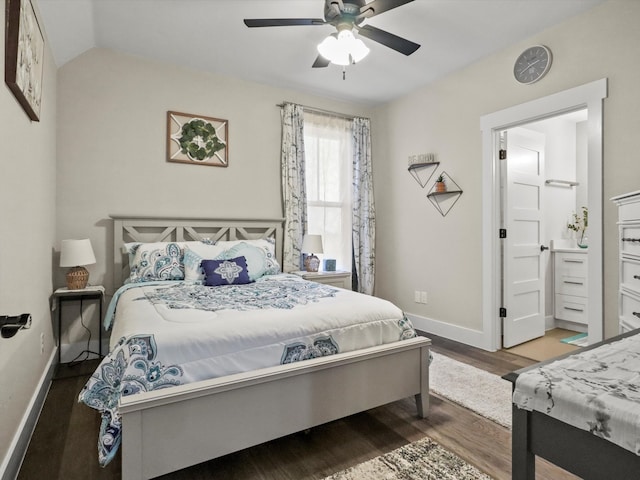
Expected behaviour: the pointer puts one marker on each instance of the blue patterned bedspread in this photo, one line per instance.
(172, 333)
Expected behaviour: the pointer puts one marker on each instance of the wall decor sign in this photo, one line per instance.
(24, 55)
(197, 139)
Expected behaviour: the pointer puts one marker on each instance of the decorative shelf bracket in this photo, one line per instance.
(445, 200)
(423, 172)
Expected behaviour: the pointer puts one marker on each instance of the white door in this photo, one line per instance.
(523, 272)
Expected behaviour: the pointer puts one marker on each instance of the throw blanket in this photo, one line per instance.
(596, 390)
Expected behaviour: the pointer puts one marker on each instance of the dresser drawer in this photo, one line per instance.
(630, 275)
(570, 264)
(571, 308)
(630, 239)
(629, 309)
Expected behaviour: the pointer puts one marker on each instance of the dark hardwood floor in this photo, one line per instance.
(64, 442)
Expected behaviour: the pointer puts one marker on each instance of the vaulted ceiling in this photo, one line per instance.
(210, 35)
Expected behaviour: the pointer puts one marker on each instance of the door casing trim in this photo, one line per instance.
(590, 96)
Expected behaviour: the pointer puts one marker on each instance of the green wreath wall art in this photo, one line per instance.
(197, 139)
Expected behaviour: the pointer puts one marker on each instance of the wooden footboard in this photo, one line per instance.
(167, 430)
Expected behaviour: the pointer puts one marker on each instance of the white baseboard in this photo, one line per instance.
(12, 461)
(475, 338)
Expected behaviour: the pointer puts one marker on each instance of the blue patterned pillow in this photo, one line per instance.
(225, 272)
(193, 256)
(156, 261)
(259, 254)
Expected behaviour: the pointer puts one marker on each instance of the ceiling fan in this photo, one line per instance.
(342, 47)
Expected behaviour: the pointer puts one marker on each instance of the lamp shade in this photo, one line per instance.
(75, 253)
(312, 244)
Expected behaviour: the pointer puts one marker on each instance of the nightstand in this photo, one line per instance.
(91, 292)
(336, 279)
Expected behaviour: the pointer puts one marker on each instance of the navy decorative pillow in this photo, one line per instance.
(225, 272)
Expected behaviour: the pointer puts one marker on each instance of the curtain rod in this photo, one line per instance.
(323, 112)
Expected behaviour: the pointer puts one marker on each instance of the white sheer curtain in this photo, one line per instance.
(364, 215)
(328, 152)
(293, 186)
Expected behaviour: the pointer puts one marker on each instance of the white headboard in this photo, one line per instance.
(161, 229)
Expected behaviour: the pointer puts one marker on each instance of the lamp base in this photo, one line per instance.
(311, 263)
(77, 278)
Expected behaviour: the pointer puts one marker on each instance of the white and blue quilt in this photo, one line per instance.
(172, 333)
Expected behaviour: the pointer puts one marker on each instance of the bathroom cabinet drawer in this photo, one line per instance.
(568, 285)
(571, 308)
(571, 264)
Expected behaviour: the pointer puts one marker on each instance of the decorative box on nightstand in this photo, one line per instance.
(336, 279)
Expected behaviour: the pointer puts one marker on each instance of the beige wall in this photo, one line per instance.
(418, 249)
(27, 223)
(112, 148)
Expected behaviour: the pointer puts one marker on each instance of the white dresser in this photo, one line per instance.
(629, 259)
(570, 271)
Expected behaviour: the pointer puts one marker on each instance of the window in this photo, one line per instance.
(327, 145)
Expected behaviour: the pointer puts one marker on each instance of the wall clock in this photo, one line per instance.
(532, 64)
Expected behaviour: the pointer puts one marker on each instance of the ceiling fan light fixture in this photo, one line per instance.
(343, 48)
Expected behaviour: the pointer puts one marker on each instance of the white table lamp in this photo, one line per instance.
(76, 254)
(312, 244)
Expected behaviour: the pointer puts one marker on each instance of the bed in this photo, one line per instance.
(167, 429)
(585, 444)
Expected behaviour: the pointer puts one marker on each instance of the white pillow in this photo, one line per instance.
(259, 254)
(193, 256)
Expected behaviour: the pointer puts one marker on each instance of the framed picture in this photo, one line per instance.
(197, 139)
(24, 56)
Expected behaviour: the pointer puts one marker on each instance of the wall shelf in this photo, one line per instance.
(444, 201)
(423, 171)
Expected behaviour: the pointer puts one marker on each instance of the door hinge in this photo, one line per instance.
(502, 233)
(503, 312)
(502, 154)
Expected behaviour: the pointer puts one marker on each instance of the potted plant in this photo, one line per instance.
(579, 225)
(440, 185)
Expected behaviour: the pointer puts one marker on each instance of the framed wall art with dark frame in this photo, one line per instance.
(24, 55)
(197, 139)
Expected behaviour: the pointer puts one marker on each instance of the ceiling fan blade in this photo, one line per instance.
(282, 22)
(378, 6)
(321, 62)
(387, 39)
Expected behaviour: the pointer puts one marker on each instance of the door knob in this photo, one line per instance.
(543, 248)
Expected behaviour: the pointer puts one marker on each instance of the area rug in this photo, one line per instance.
(478, 390)
(421, 460)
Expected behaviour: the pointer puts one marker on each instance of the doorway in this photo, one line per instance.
(590, 98)
(545, 185)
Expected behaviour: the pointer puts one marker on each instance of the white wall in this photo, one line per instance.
(27, 222)
(112, 157)
(418, 249)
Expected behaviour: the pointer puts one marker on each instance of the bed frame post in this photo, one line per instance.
(132, 439)
(422, 398)
(523, 461)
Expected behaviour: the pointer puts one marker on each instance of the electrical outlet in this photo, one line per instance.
(423, 297)
(41, 343)
(416, 296)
